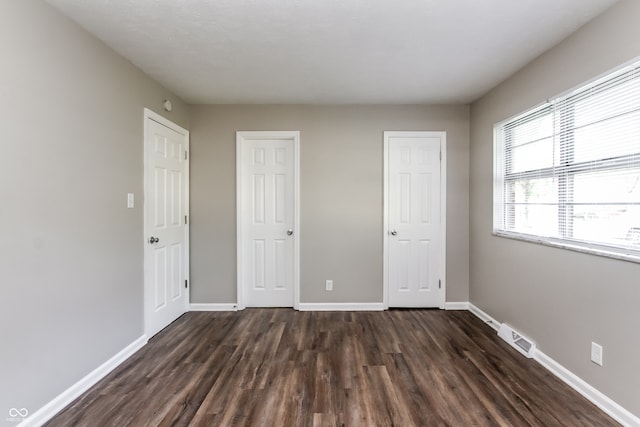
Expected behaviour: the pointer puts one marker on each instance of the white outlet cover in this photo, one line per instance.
(130, 200)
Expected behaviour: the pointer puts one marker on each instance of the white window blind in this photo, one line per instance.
(569, 170)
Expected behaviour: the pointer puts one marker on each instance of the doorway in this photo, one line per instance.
(166, 229)
(414, 219)
(267, 197)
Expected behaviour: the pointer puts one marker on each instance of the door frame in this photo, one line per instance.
(150, 115)
(242, 136)
(442, 264)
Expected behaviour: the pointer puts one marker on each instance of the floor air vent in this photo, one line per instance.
(523, 344)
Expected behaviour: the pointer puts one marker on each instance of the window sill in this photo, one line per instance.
(631, 256)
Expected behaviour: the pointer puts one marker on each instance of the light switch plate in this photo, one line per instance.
(130, 200)
(596, 353)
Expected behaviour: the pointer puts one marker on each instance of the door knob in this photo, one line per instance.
(153, 240)
(289, 232)
(394, 232)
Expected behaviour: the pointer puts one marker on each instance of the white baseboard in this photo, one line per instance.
(47, 412)
(596, 397)
(456, 305)
(341, 306)
(603, 402)
(213, 307)
(484, 317)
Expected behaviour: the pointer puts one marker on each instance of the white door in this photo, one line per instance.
(267, 189)
(165, 222)
(414, 219)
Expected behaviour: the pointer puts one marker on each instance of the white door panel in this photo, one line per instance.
(166, 187)
(414, 248)
(267, 219)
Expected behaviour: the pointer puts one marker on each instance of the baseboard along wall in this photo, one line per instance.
(362, 306)
(603, 402)
(49, 410)
(607, 405)
(213, 307)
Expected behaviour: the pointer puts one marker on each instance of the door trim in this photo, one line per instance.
(152, 115)
(282, 135)
(442, 265)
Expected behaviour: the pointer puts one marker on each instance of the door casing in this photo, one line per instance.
(241, 137)
(443, 209)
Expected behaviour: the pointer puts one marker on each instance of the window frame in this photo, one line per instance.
(566, 169)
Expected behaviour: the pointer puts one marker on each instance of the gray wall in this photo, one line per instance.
(71, 116)
(341, 174)
(561, 299)
(71, 253)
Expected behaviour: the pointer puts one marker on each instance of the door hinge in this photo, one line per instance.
(185, 283)
(186, 221)
(186, 155)
(439, 284)
(440, 155)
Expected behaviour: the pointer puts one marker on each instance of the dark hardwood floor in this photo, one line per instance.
(280, 367)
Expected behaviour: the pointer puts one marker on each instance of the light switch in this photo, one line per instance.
(130, 200)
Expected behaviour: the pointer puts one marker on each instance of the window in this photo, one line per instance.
(568, 172)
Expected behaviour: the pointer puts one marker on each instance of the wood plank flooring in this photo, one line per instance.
(280, 367)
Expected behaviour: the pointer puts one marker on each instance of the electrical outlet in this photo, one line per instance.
(328, 285)
(596, 353)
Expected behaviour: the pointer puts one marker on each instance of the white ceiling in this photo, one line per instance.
(330, 51)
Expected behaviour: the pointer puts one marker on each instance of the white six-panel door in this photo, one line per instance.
(165, 222)
(414, 221)
(267, 219)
